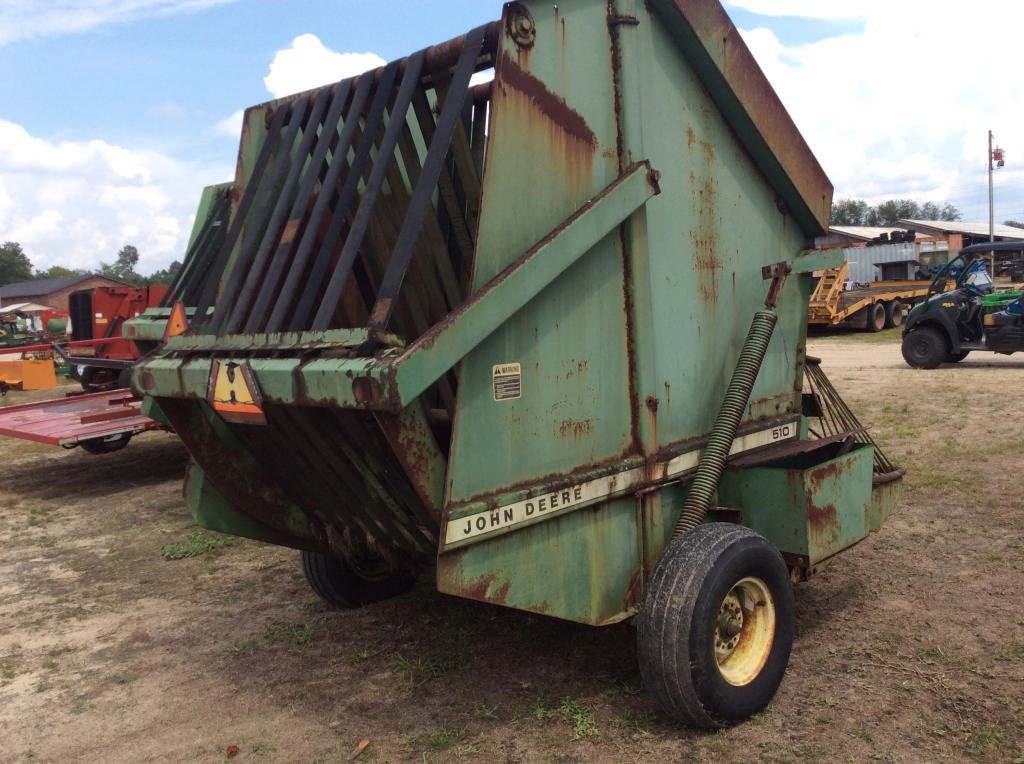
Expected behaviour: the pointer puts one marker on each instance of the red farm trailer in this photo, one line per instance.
(111, 328)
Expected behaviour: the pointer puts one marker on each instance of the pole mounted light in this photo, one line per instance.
(996, 159)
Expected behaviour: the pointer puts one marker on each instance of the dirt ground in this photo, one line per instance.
(909, 648)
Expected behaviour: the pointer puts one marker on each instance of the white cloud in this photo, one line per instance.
(816, 9)
(31, 19)
(305, 64)
(77, 203)
(308, 63)
(231, 127)
(895, 111)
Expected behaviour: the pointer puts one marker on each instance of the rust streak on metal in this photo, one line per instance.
(731, 56)
(822, 519)
(616, 54)
(552, 106)
(577, 428)
(480, 589)
(704, 237)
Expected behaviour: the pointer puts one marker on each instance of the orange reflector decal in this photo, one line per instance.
(234, 394)
(177, 323)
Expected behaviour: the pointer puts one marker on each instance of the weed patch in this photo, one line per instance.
(196, 544)
(298, 635)
(573, 712)
(425, 668)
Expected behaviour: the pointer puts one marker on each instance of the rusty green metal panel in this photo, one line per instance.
(742, 94)
(574, 562)
(810, 508)
(686, 299)
(211, 510)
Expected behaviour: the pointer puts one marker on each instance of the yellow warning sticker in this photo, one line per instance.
(234, 394)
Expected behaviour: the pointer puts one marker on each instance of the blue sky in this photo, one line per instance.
(161, 82)
(114, 113)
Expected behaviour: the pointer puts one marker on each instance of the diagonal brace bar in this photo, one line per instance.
(452, 339)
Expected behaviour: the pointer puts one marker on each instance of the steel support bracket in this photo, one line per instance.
(453, 339)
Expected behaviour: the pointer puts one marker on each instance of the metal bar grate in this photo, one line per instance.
(360, 208)
(198, 263)
(836, 417)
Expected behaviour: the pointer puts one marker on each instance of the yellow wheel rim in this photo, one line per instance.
(744, 631)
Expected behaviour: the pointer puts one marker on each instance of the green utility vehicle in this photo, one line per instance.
(14, 331)
(963, 313)
(540, 338)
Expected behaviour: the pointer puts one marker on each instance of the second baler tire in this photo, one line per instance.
(340, 584)
(676, 628)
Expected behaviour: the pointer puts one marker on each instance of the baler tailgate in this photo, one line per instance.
(349, 181)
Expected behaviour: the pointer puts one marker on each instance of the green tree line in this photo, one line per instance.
(888, 213)
(15, 266)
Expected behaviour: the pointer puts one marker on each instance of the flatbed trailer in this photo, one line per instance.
(878, 306)
(98, 422)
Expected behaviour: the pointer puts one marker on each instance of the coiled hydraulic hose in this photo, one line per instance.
(712, 460)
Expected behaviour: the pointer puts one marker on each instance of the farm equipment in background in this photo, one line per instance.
(195, 281)
(23, 365)
(104, 422)
(964, 313)
(100, 314)
(872, 306)
(502, 332)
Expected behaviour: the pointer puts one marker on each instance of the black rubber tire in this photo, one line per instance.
(893, 314)
(124, 379)
(876, 317)
(96, 380)
(677, 625)
(109, 445)
(342, 585)
(957, 357)
(925, 348)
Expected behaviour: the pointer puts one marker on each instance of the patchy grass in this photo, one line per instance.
(486, 712)
(843, 334)
(435, 741)
(297, 635)
(39, 515)
(571, 711)
(196, 544)
(635, 723)
(244, 647)
(426, 668)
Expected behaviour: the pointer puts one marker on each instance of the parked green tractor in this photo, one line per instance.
(541, 338)
(14, 332)
(963, 313)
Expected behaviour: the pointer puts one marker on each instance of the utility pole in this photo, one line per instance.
(991, 210)
(996, 159)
